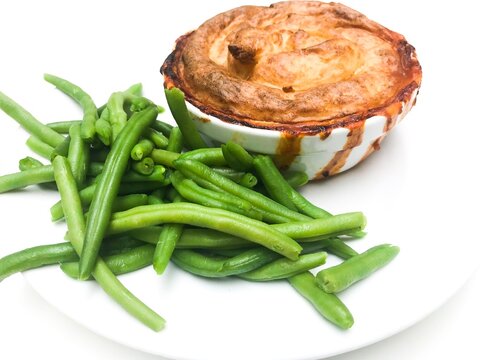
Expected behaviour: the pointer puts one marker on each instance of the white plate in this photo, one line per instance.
(418, 192)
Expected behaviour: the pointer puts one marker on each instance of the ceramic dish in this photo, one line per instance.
(316, 85)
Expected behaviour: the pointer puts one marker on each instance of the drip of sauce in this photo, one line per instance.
(391, 113)
(354, 138)
(325, 134)
(289, 146)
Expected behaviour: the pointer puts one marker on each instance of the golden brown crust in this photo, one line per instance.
(294, 66)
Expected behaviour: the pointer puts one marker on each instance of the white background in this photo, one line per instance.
(94, 42)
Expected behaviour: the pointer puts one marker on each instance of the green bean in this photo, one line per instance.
(35, 257)
(176, 103)
(236, 156)
(117, 116)
(197, 263)
(33, 176)
(164, 157)
(328, 305)
(207, 156)
(103, 127)
(161, 126)
(144, 166)
(118, 245)
(108, 186)
(339, 248)
(285, 268)
(90, 115)
(273, 180)
(248, 180)
(63, 127)
(157, 175)
(329, 227)
(167, 241)
(340, 277)
(248, 260)
(157, 196)
(175, 140)
(217, 219)
(28, 163)
(229, 173)
(281, 190)
(29, 122)
(125, 202)
(62, 148)
(135, 90)
(191, 191)
(194, 238)
(142, 149)
(78, 155)
(138, 103)
(160, 140)
(123, 263)
(200, 171)
(86, 195)
(39, 147)
(220, 266)
(122, 203)
(296, 179)
(95, 168)
(99, 154)
(76, 228)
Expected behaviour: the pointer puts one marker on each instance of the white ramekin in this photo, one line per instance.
(319, 156)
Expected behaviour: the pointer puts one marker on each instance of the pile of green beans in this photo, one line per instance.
(137, 192)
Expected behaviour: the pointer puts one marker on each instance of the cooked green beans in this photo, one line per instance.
(78, 155)
(274, 211)
(217, 219)
(191, 191)
(194, 238)
(338, 278)
(329, 227)
(328, 305)
(167, 240)
(176, 103)
(39, 147)
(36, 175)
(122, 263)
(28, 162)
(144, 166)
(237, 157)
(220, 266)
(28, 122)
(285, 268)
(160, 140)
(34, 257)
(340, 248)
(117, 116)
(63, 127)
(207, 156)
(103, 128)
(164, 157)
(90, 115)
(108, 186)
(142, 149)
(101, 272)
(175, 140)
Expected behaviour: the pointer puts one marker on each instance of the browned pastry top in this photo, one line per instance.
(300, 66)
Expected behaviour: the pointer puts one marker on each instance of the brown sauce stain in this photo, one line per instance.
(289, 146)
(391, 112)
(354, 138)
(325, 134)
